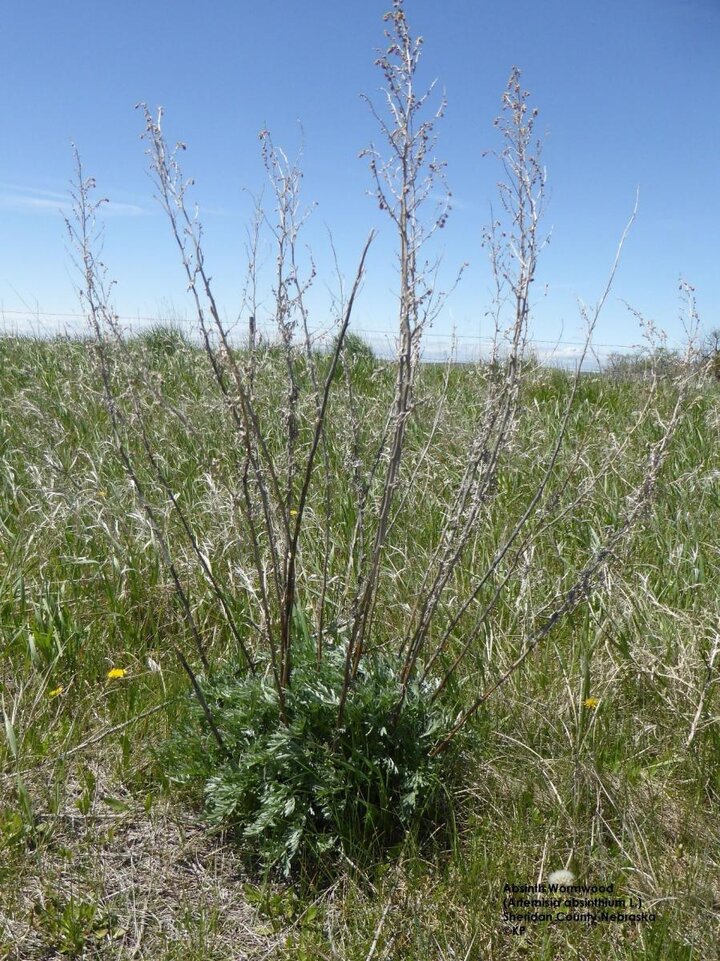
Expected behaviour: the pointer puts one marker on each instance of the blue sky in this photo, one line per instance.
(627, 92)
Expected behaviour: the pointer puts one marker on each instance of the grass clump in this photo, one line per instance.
(163, 339)
(355, 356)
(301, 790)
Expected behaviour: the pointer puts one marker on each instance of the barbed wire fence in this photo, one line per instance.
(438, 347)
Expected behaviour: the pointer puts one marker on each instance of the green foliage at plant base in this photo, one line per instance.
(304, 791)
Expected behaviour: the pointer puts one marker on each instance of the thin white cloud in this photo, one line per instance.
(33, 191)
(34, 199)
(455, 202)
(19, 202)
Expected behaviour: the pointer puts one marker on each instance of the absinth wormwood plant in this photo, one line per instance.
(337, 732)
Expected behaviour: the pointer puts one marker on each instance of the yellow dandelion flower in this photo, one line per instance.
(591, 703)
(116, 673)
(56, 691)
(293, 513)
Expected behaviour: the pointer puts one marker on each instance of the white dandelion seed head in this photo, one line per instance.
(561, 877)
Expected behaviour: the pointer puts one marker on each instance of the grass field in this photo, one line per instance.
(602, 754)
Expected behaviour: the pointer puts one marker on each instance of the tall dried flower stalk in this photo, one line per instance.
(277, 462)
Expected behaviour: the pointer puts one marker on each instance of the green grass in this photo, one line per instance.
(101, 856)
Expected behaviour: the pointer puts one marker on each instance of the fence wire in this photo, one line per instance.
(438, 346)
